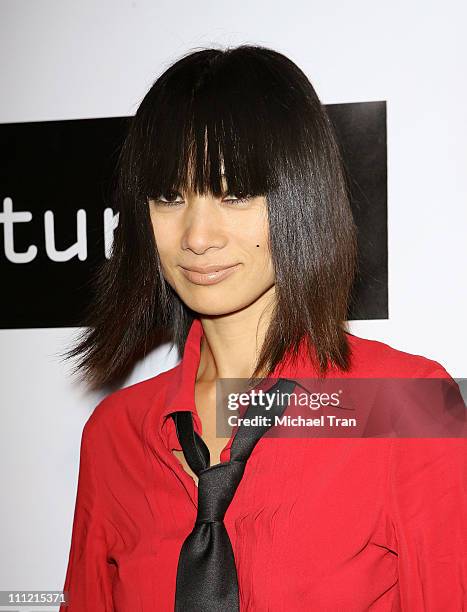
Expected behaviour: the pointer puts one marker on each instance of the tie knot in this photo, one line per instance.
(216, 487)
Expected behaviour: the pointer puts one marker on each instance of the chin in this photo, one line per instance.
(214, 307)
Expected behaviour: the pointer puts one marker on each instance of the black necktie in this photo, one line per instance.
(206, 573)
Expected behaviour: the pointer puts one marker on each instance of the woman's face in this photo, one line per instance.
(194, 231)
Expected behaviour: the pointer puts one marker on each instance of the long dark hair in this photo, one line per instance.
(254, 110)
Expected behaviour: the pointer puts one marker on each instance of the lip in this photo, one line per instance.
(208, 275)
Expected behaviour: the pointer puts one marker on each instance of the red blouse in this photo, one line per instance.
(316, 523)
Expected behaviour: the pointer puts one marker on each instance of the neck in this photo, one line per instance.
(232, 343)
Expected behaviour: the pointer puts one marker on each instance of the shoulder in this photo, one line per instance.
(377, 358)
(420, 402)
(129, 406)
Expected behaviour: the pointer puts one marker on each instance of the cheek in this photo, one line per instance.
(258, 255)
(164, 248)
(258, 241)
(162, 235)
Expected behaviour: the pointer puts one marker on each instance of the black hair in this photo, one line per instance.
(253, 112)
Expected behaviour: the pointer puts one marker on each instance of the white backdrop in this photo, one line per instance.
(68, 60)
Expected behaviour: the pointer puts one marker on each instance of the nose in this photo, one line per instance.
(203, 226)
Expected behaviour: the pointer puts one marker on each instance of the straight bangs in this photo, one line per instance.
(211, 119)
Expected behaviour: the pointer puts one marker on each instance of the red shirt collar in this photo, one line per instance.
(180, 392)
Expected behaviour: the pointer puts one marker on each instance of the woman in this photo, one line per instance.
(236, 236)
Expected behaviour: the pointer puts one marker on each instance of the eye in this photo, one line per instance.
(168, 198)
(237, 199)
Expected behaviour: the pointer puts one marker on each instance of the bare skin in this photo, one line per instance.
(199, 230)
(206, 404)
